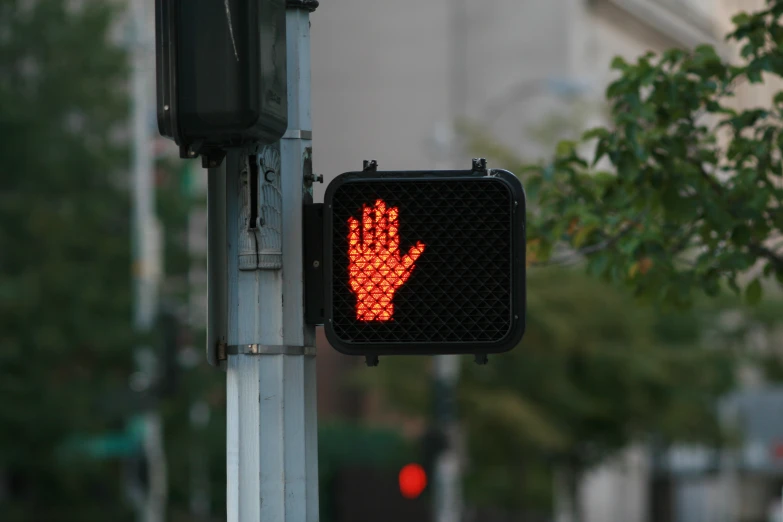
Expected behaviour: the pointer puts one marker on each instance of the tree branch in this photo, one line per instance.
(758, 249)
(592, 249)
(769, 255)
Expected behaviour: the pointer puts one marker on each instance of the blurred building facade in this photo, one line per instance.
(388, 75)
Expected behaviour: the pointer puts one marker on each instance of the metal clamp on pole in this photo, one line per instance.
(293, 134)
(262, 349)
(307, 5)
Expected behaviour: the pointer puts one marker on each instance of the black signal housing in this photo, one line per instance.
(466, 291)
(221, 74)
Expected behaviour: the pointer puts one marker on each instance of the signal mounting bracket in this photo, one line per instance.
(479, 165)
(370, 166)
(314, 262)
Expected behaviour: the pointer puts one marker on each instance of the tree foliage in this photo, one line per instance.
(65, 317)
(681, 192)
(593, 374)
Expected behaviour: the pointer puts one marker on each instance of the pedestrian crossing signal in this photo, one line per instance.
(221, 74)
(376, 268)
(424, 262)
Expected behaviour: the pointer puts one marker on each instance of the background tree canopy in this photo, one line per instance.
(681, 192)
(66, 333)
(593, 374)
(65, 293)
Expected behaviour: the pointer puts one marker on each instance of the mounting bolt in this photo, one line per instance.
(370, 165)
(316, 263)
(311, 178)
(479, 165)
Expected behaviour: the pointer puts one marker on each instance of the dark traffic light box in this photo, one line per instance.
(423, 262)
(221, 74)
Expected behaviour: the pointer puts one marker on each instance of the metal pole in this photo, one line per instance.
(448, 472)
(142, 165)
(271, 454)
(458, 63)
(447, 497)
(147, 263)
(200, 492)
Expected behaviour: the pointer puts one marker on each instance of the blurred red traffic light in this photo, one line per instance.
(413, 480)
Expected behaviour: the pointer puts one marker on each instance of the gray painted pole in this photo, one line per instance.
(447, 482)
(150, 504)
(448, 468)
(271, 454)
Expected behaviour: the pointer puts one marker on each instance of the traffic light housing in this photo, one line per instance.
(424, 262)
(221, 74)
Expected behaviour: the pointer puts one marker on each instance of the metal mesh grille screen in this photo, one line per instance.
(422, 261)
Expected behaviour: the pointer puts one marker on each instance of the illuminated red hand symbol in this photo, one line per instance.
(376, 269)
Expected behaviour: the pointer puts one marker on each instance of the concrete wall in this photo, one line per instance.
(383, 71)
(379, 82)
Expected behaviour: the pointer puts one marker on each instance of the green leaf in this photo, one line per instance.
(753, 292)
(711, 287)
(600, 132)
(600, 151)
(616, 88)
(582, 235)
(619, 63)
(598, 264)
(741, 235)
(565, 148)
(732, 282)
(742, 18)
